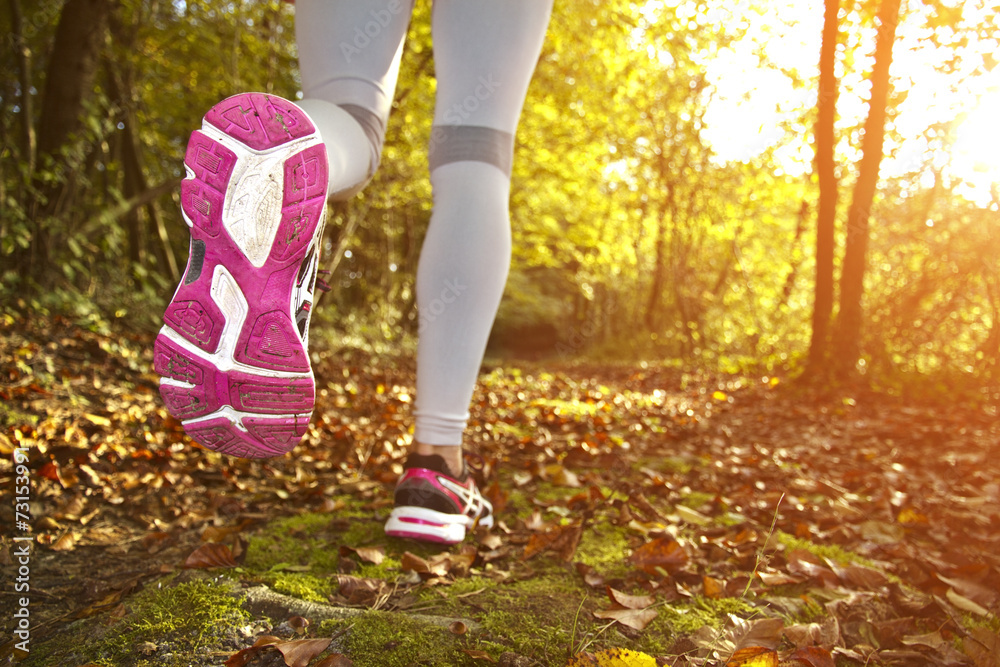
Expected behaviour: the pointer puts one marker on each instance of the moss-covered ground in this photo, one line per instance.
(540, 609)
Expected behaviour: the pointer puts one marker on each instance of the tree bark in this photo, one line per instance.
(70, 79)
(851, 317)
(826, 108)
(793, 266)
(23, 56)
(653, 302)
(71, 71)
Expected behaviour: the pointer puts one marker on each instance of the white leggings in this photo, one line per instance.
(484, 54)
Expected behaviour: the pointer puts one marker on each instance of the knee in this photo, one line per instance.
(459, 143)
(374, 129)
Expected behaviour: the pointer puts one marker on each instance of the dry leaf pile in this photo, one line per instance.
(878, 520)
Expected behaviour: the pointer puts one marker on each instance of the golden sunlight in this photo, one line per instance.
(976, 156)
(755, 106)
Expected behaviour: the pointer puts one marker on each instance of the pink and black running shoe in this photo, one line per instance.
(433, 506)
(233, 351)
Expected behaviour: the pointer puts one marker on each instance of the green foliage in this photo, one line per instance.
(631, 238)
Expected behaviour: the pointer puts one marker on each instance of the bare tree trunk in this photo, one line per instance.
(826, 107)
(70, 79)
(23, 56)
(793, 266)
(850, 318)
(654, 302)
(71, 71)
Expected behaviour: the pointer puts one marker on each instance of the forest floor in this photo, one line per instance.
(696, 519)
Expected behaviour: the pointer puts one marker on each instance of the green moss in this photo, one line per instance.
(179, 619)
(300, 585)
(831, 551)
(667, 464)
(730, 519)
(364, 532)
(605, 548)
(545, 615)
(991, 623)
(518, 503)
(695, 499)
(466, 586)
(379, 639)
(448, 600)
(516, 430)
(531, 635)
(389, 568)
(549, 493)
(552, 584)
(535, 616)
(679, 619)
(297, 555)
(303, 539)
(812, 611)
(10, 416)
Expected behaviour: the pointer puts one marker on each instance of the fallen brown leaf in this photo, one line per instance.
(765, 632)
(335, 660)
(298, 652)
(561, 476)
(244, 656)
(360, 590)
(66, 542)
(813, 656)
(590, 577)
(636, 619)
(155, 541)
(373, 555)
(266, 640)
(412, 563)
(218, 533)
(478, 655)
(562, 540)
(983, 647)
(491, 541)
(210, 555)
(712, 587)
(662, 553)
(630, 601)
(299, 624)
(778, 578)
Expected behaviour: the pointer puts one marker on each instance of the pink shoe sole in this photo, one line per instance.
(233, 351)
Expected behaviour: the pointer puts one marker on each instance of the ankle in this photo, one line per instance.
(451, 454)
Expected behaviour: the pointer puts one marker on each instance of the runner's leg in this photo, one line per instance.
(485, 53)
(349, 54)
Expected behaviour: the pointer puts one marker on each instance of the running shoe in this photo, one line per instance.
(433, 506)
(233, 352)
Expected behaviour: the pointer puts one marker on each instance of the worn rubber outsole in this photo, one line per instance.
(233, 351)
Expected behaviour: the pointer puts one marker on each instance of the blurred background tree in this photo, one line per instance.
(668, 183)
